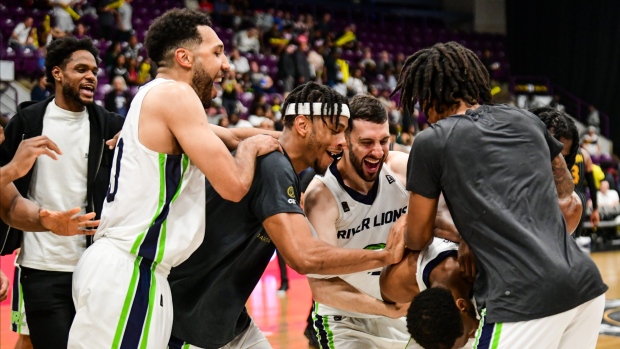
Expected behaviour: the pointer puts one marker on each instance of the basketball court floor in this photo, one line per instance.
(283, 319)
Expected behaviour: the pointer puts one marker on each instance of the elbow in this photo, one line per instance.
(417, 243)
(304, 264)
(236, 193)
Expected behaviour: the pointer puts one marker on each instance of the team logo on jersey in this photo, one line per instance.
(390, 179)
(375, 247)
(345, 207)
(291, 192)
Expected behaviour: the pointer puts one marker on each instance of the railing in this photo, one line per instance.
(575, 106)
(11, 105)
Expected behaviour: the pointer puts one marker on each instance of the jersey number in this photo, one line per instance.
(110, 195)
(575, 172)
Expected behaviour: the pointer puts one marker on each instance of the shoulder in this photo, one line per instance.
(162, 94)
(397, 162)
(276, 162)
(318, 195)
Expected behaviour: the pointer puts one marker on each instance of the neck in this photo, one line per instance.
(448, 275)
(460, 109)
(350, 176)
(294, 149)
(174, 74)
(67, 103)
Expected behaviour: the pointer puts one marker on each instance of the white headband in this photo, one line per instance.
(318, 108)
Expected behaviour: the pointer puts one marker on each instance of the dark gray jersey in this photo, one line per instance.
(493, 166)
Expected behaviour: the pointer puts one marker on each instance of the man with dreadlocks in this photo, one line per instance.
(534, 287)
(210, 289)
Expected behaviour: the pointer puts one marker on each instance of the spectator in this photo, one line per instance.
(355, 84)
(205, 6)
(590, 142)
(302, 65)
(347, 39)
(236, 122)
(607, 197)
(316, 60)
(390, 79)
(123, 18)
(594, 119)
(39, 92)
(384, 63)
(261, 82)
(332, 71)
(367, 62)
(264, 20)
(22, 36)
(555, 103)
(241, 63)
(267, 124)
(231, 90)
(110, 56)
(398, 62)
(80, 31)
(120, 68)
(63, 12)
(133, 48)
(325, 24)
(145, 71)
(247, 41)
(107, 18)
(257, 115)
(119, 99)
(489, 63)
(287, 68)
(223, 12)
(133, 72)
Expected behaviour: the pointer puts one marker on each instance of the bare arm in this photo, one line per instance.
(420, 222)
(187, 122)
(293, 237)
(398, 281)
(572, 210)
(562, 178)
(26, 215)
(25, 155)
(444, 225)
(337, 293)
(233, 136)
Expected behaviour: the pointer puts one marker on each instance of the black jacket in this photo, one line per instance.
(28, 123)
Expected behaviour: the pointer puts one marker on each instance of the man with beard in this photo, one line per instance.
(153, 214)
(354, 206)
(78, 178)
(211, 288)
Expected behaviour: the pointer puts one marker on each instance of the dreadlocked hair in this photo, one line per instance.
(439, 76)
(312, 92)
(560, 125)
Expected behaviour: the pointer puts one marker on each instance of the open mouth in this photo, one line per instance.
(87, 90)
(372, 165)
(334, 154)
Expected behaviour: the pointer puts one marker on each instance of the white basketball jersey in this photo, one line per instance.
(364, 223)
(430, 257)
(155, 206)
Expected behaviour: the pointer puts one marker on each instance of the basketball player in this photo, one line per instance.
(534, 287)
(437, 266)
(211, 288)
(153, 216)
(354, 206)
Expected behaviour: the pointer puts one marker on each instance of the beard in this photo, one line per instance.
(358, 165)
(74, 94)
(312, 144)
(203, 85)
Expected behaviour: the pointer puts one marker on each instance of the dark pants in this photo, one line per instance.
(49, 307)
(283, 272)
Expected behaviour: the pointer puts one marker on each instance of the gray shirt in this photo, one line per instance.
(493, 166)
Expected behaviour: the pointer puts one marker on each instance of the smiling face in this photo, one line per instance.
(209, 66)
(368, 144)
(325, 142)
(78, 79)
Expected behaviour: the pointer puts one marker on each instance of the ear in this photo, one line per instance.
(184, 57)
(301, 125)
(461, 304)
(57, 74)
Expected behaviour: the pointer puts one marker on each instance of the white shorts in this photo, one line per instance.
(251, 338)
(18, 312)
(344, 332)
(576, 328)
(120, 301)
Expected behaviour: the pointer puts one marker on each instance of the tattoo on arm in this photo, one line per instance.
(562, 177)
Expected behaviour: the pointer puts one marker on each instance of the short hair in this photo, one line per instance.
(172, 30)
(560, 125)
(122, 80)
(433, 319)
(312, 92)
(368, 108)
(439, 75)
(60, 50)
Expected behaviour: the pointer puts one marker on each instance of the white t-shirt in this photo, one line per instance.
(59, 185)
(22, 33)
(608, 199)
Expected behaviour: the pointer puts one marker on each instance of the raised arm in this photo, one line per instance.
(230, 176)
(233, 136)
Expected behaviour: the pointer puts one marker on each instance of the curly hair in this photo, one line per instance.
(312, 92)
(368, 108)
(59, 53)
(433, 320)
(560, 125)
(440, 75)
(171, 30)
